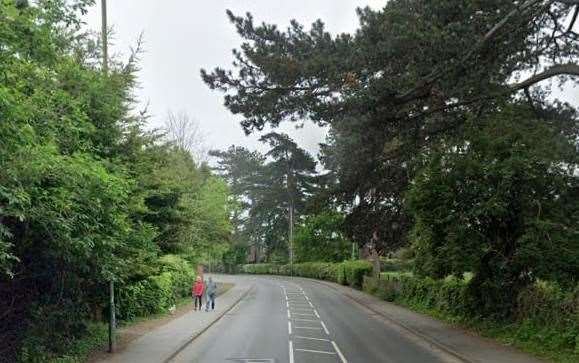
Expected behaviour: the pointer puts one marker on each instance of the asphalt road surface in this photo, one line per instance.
(294, 321)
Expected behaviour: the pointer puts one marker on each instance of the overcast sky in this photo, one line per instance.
(183, 36)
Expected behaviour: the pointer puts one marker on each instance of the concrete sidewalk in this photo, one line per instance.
(459, 343)
(163, 343)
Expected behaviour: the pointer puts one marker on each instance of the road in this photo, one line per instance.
(293, 321)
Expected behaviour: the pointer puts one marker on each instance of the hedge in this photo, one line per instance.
(156, 294)
(394, 264)
(546, 316)
(448, 295)
(346, 273)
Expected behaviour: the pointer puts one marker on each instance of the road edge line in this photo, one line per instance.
(337, 349)
(189, 340)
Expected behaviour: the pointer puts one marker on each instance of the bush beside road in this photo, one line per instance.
(345, 273)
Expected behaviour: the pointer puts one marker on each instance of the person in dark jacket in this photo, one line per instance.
(211, 291)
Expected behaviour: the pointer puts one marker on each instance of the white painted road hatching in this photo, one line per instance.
(308, 334)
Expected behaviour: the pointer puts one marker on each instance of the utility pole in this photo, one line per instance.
(105, 37)
(289, 184)
(112, 322)
(291, 237)
(105, 41)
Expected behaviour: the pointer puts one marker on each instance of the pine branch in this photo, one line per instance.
(556, 70)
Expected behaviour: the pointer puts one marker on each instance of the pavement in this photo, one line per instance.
(161, 344)
(293, 320)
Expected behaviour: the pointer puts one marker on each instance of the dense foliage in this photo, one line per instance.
(502, 203)
(319, 238)
(156, 293)
(86, 195)
(546, 316)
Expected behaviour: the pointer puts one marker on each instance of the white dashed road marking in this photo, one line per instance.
(315, 351)
(325, 328)
(303, 314)
(339, 352)
(296, 306)
(291, 352)
(307, 327)
(310, 338)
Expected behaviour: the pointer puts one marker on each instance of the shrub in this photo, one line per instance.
(551, 315)
(346, 273)
(448, 295)
(157, 293)
(151, 296)
(354, 272)
(546, 315)
(316, 270)
(35, 349)
(404, 253)
(182, 274)
(260, 269)
(394, 264)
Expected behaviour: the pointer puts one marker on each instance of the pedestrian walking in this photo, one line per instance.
(197, 292)
(211, 292)
(205, 291)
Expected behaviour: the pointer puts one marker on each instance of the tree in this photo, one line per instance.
(318, 238)
(293, 169)
(184, 132)
(86, 195)
(411, 74)
(171, 179)
(430, 56)
(210, 216)
(501, 203)
(242, 169)
(270, 188)
(63, 203)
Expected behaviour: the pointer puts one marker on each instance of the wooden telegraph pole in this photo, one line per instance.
(105, 41)
(291, 237)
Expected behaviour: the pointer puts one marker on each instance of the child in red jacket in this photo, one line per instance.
(197, 292)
